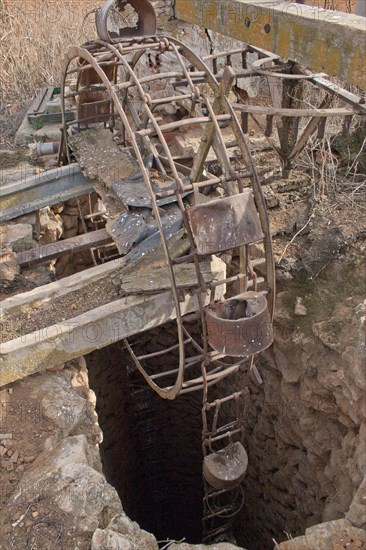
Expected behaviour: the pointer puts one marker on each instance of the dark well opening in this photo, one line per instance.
(151, 450)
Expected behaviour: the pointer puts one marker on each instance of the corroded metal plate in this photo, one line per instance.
(223, 224)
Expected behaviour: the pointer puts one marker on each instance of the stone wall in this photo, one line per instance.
(306, 426)
(70, 213)
(151, 451)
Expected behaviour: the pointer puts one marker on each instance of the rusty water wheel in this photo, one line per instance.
(116, 88)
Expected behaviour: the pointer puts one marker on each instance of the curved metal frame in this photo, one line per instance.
(116, 53)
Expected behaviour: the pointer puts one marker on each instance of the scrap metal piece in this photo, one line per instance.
(145, 25)
(241, 326)
(226, 223)
(128, 229)
(171, 224)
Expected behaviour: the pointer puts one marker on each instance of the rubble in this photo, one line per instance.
(18, 237)
(68, 475)
(122, 533)
(49, 226)
(9, 267)
(338, 535)
(219, 546)
(356, 513)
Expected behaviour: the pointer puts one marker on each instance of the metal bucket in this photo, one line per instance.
(223, 224)
(226, 468)
(146, 24)
(241, 326)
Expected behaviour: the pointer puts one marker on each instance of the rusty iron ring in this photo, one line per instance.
(146, 25)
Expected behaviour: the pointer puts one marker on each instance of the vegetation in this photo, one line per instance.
(34, 37)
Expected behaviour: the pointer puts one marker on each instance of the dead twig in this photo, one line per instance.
(16, 523)
(312, 216)
(170, 542)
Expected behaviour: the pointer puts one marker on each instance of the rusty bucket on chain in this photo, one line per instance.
(240, 326)
(223, 224)
(226, 468)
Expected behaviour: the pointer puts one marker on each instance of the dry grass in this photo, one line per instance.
(336, 164)
(34, 36)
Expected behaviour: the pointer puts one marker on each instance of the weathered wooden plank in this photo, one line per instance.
(94, 329)
(100, 158)
(104, 163)
(348, 97)
(306, 113)
(68, 247)
(45, 294)
(158, 278)
(61, 288)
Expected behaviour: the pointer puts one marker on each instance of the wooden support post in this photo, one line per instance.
(226, 84)
(292, 93)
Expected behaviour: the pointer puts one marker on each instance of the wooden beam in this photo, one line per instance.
(143, 281)
(58, 289)
(95, 329)
(44, 189)
(24, 302)
(306, 113)
(323, 40)
(58, 249)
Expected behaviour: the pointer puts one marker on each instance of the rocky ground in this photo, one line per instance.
(54, 494)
